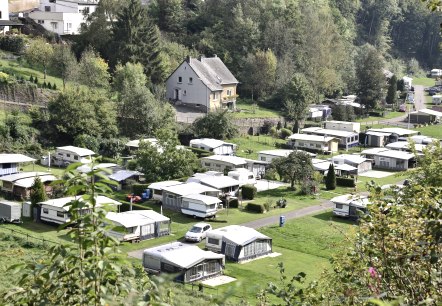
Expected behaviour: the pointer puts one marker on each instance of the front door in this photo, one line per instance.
(177, 94)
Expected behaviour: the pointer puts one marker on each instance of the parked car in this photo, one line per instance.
(198, 232)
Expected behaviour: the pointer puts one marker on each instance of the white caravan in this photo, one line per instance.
(198, 205)
(243, 175)
(347, 205)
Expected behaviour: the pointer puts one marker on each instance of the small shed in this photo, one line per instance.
(138, 225)
(217, 147)
(188, 261)
(361, 164)
(10, 211)
(239, 243)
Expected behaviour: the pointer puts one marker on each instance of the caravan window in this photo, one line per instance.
(45, 211)
(212, 267)
(185, 204)
(339, 206)
(213, 241)
(230, 250)
(60, 214)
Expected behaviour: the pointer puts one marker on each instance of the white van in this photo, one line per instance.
(243, 175)
(198, 205)
(436, 99)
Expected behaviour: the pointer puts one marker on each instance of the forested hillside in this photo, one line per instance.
(266, 42)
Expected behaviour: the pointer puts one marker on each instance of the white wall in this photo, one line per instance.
(4, 10)
(51, 214)
(62, 21)
(191, 93)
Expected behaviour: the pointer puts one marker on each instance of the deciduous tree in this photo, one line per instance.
(64, 63)
(39, 52)
(93, 71)
(295, 168)
(216, 125)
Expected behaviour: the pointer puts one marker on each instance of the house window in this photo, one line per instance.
(185, 93)
(301, 144)
(68, 25)
(180, 79)
(207, 164)
(263, 158)
(45, 211)
(54, 25)
(190, 80)
(47, 8)
(60, 214)
(229, 92)
(68, 155)
(40, 21)
(76, 157)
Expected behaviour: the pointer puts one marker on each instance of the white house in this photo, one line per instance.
(347, 139)
(203, 82)
(188, 261)
(313, 143)
(63, 17)
(269, 155)
(347, 205)
(221, 162)
(199, 205)
(343, 126)
(138, 225)
(238, 243)
(157, 188)
(19, 184)
(10, 163)
(172, 195)
(361, 164)
(70, 154)
(56, 211)
(218, 147)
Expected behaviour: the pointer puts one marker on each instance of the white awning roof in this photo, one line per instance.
(429, 112)
(347, 199)
(234, 160)
(22, 175)
(208, 200)
(240, 235)
(395, 130)
(210, 143)
(218, 182)
(28, 182)
(136, 217)
(163, 184)
(189, 188)
(77, 150)
(136, 143)
(345, 167)
(283, 152)
(14, 158)
(61, 202)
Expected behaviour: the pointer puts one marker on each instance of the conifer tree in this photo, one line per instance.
(392, 91)
(136, 40)
(38, 193)
(330, 179)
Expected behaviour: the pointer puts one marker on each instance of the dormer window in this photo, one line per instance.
(180, 79)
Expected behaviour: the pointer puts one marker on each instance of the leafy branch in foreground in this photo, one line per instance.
(91, 270)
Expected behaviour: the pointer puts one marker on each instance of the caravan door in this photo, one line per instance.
(147, 231)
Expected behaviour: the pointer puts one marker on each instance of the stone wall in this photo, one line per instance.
(252, 126)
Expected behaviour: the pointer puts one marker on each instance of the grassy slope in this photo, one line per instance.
(250, 111)
(423, 81)
(256, 144)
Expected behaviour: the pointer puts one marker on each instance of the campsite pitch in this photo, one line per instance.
(218, 281)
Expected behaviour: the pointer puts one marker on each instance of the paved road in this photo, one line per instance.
(419, 97)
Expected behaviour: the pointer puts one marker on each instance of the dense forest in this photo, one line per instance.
(266, 42)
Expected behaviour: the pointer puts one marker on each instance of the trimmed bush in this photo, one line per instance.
(285, 133)
(138, 189)
(54, 87)
(248, 192)
(234, 203)
(257, 208)
(14, 44)
(345, 182)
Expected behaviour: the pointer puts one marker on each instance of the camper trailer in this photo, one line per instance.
(243, 175)
(348, 205)
(10, 212)
(199, 205)
(157, 188)
(436, 99)
(137, 225)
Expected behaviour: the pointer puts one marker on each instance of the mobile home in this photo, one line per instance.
(238, 243)
(199, 205)
(243, 176)
(436, 99)
(226, 184)
(137, 225)
(348, 205)
(70, 154)
(157, 188)
(10, 211)
(189, 262)
(173, 195)
(19, 184)
(56, 211)
(217, 147)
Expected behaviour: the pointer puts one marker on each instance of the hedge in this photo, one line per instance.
(257, 208)
(138, 189)
(14, 44)
(234, 203)
(345, 182)
(248, 192)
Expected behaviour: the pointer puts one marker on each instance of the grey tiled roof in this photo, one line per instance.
(212, 72)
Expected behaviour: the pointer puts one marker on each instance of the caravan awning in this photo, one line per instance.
(123, 175)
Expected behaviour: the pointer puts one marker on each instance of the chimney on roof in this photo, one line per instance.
(188, 58)
(201, 57)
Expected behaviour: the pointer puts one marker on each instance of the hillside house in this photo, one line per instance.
(188, 261)
(347, 139)
(218, 147)
(314, 143)
(5, 23)
(63, 17)
(203, 82)
(10, 163)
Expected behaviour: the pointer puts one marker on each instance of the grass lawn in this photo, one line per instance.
(431, 131)
(255, 144)
(306, 245)
(423, 81)
(389, 115)
(58, 172)
(249, 110)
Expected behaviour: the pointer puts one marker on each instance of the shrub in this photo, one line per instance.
(234, 203)
(138, 189)
(132, 164)
(257, 208)
(105, 159)
(200, 152)
(31, 79)
(36, 80)
(44, 85)
(271, 175)
(285, 133)
(54, 87)
(345, 182)
(268, 204)
(273, 132)
(265, 129)
(12, 43)
(279, 125)
(330, 179)
(49, 85)
(248, 192)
